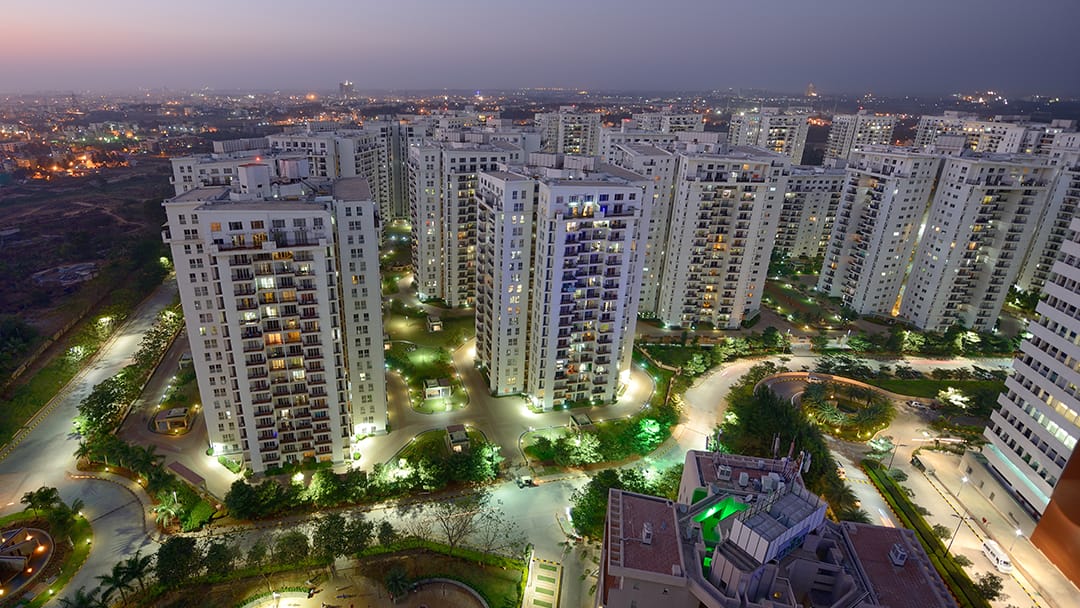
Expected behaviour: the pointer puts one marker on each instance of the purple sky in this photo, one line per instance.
(883, 46)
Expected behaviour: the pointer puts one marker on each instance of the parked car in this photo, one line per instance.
(919, 405)
(526, 482)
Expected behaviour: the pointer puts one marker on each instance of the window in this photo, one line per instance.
(236, 225)
(215, 226)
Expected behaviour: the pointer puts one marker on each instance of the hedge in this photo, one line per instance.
(954, 576)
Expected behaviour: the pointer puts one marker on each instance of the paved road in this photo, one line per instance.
(45, 456)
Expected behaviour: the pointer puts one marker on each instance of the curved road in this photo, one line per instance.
(45, 456)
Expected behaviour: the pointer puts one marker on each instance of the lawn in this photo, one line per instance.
(929, 388)
(433, 444)
(456, 330)
(28, 398)
(795, 306)
(458, 399)
(500, 586)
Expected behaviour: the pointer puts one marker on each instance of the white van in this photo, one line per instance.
(997, 556)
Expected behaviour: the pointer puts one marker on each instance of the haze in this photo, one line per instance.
(890, 48)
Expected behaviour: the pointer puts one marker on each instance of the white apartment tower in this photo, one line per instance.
(569, 131)
(778, 132)
(1033, 433)
(876, 226)
(977, 233)
(442, 183)
(505, 207)
(806, 217)
(669, 121)
(590, 232)
(281, 297)
(853, 132)
(660, 166)
(723, 223)
(1053, 228)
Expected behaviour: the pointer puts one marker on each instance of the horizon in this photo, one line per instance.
(913, 49)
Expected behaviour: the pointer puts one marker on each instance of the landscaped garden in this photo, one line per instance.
(799, 304)
(410, 324)
(421, 365)
(847, 411)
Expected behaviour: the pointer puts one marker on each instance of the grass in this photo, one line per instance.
(455, 331)
(28, 398)
(458, 400)
(929, 388)
(433, 445)
(81, 537)
(498, 581)
(785, 300)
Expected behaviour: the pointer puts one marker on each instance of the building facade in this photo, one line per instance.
(282, 304)
(806, 217)
(443, 178)
(876, 227)
(977, 234)
(569, 131)
(723, 224)
(854, 132)
(783, 133)
(1032, 435)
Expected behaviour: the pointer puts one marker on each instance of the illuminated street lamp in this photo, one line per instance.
(963, 482)
(1019, 533)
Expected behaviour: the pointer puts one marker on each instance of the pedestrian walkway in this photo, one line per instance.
(544, 585)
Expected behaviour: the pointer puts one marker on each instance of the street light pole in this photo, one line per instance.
(957, 531)
(894, 447)
(963, 482)
(1019, 533)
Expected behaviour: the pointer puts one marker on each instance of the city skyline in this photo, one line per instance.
(840, 45)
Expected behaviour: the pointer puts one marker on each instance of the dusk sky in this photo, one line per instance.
(884, 46)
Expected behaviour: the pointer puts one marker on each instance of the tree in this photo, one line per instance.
(325, 489)
(41, 500)
(457, 519)
(953, 397)
(82, 599)
(329, 538)
(496, 533)
(942, 532)
(167, 510)
(179, 559)
(358, 533)
(590, 502)
(386, 534)
(138, 567)
(819, 343)
(242, 500)
(117, 579)
(61, 518)
(221, 557)
(989, 586)
(292, 547)
(256, 555)
(397, 583)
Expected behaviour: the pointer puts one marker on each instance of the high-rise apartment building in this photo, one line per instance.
(783, 133)
(1053, 228)
(611, 138)
(723, 224)
(282, 303)
(560, 257)
(977, 233)
(669, 121)
(443, 178)
(1034, 432)
(589, 236)
(853, 132)
(806, 217)
(569, 131)
(660, 166)
(504, 249)
(876, 226)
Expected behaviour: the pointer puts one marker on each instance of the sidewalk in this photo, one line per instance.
(1044, 583)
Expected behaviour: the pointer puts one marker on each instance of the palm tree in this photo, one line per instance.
(82, 599)
(397, 583)
(117, 580)
(143, 459)
(41, 499)
(168, 509)
(85, 451)
(137, 568)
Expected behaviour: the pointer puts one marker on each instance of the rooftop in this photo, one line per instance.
(914, 585)
(629, 516)
(352, 189)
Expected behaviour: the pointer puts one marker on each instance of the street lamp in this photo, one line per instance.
(895, 445)
(963, 482)
(1019, 533)
(963, 518)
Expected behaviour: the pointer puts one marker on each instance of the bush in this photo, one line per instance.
(197, 516)
(230, 464)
